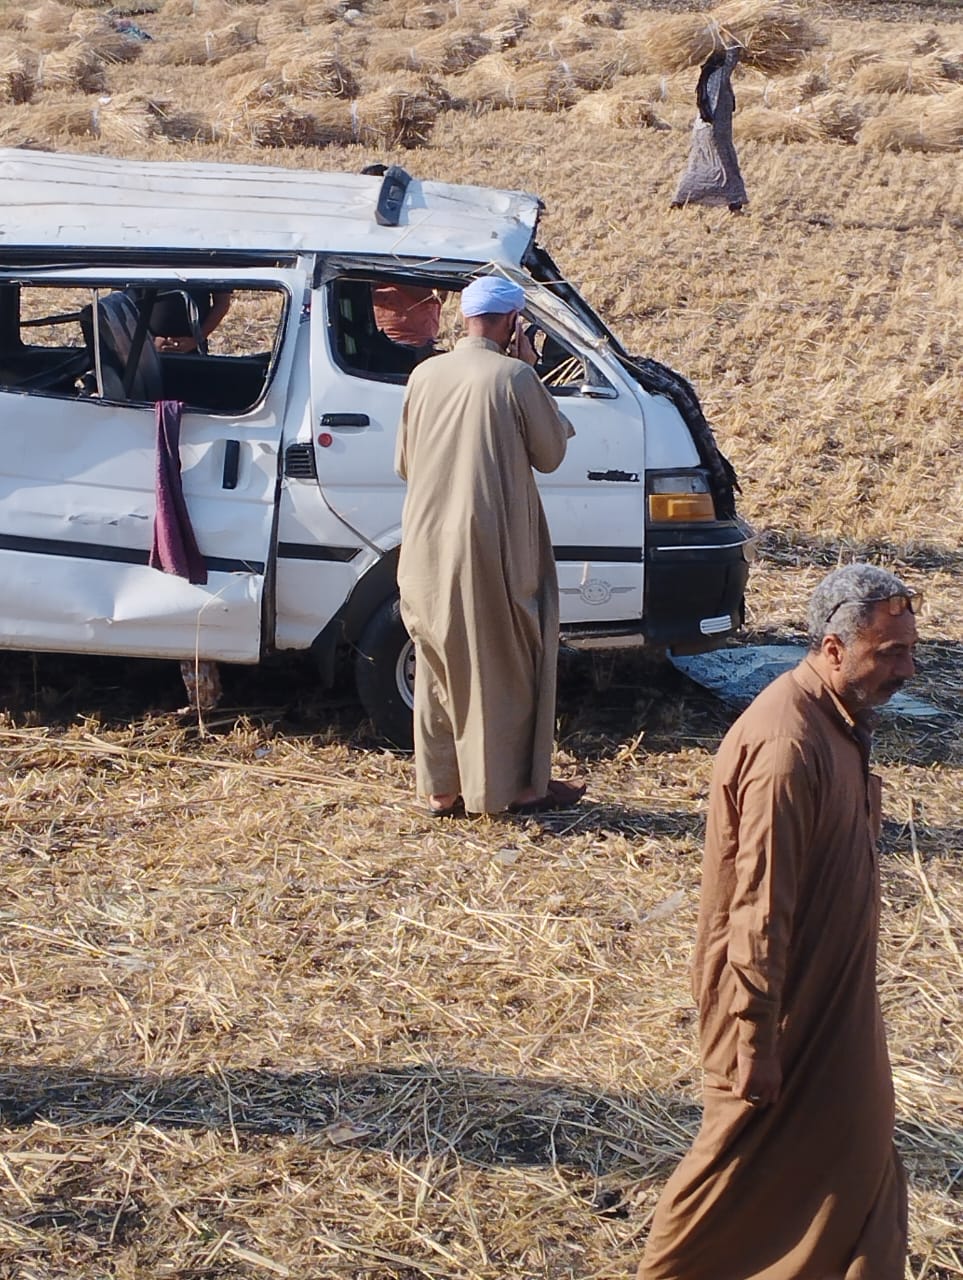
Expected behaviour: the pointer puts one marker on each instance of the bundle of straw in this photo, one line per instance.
(45, 123)
(612, 17)
(936, 125)
(542, 89)
(321, 75)
(111, 45)
(281, 125)
(774, 35)
(618, 109)
(605, 63)
(77, 67)
(762, 124)
(213, 47)
(447, 53)
(425, 17)
(124, 118)
(12, 19)
(179, 126)
(279, 22)
(951, 65)
(18, 74)
(47, 18)
(838, 116)
(908, 75)
(395, 117)
(487, 86)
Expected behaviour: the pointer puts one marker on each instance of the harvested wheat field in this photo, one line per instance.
(263, 1019)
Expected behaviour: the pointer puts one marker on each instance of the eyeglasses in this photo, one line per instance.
(902, 602)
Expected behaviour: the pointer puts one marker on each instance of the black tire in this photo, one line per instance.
(384, 674)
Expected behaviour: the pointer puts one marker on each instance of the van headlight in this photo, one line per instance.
(680, 498)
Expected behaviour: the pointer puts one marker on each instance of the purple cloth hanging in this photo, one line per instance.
(174, 548)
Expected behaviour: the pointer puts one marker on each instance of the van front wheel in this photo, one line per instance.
(384, 672)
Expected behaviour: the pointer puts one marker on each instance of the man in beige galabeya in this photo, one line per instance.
(793, 1175)
(479, 594)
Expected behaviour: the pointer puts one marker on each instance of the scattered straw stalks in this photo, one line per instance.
(774, 36)
(934, 125)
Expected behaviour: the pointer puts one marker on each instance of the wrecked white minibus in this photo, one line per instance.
(286, 443)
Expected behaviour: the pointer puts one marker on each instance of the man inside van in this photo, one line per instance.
(479, 594)
(182, 320)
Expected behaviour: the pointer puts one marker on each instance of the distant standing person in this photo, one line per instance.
(793, 1175)
(479, 594)
(712, 174)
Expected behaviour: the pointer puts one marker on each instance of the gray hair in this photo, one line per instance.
(844, 601)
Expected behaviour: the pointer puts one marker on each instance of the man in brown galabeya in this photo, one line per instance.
(794, 1175)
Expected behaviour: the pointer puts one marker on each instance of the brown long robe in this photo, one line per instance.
(479, 593)
(810, 1188)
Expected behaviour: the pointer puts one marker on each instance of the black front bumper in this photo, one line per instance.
(695, 583)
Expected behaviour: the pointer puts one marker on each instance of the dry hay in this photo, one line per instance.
(951, 65)
(18, 74)
(933, 125)
(107, 43)
(123, 119)
(607, 61)
(49, 18)
(445, 53)
(901, 75)
(287, 125)
(426, 17)
(838, 115)
(204, 50)
(177, 125)
(395, 116)
(542, 89)
(764, 124)
(612, 16)
(620, 108)
(44, 124)
(318, 75)
(77, 67)
(278, 22)
(12, 18)
(486, 86)
(774, 35)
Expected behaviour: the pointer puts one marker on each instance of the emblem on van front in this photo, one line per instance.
(594, 591)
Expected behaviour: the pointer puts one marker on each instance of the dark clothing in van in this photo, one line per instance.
(169, 316)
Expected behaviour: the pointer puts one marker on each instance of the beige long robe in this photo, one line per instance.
(810, 1188)
(479, 593)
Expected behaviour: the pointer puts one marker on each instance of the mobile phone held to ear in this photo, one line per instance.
(515, 346)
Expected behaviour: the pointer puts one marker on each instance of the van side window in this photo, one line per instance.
(382, 328)
(211, 348)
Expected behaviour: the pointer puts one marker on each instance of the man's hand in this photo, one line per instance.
(758, 1080)
(526, 351)
(175, 344)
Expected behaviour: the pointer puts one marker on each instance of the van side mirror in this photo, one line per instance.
(597, 391)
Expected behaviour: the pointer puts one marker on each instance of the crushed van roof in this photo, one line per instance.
(65, 201)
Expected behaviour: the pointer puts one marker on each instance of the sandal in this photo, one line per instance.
(454, 810)
(560, 795)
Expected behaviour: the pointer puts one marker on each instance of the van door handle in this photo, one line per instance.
(345, 420)
(232, 454)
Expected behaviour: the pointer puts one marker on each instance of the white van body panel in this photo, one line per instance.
(77, 484)
(89, 201)
(665, 445)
